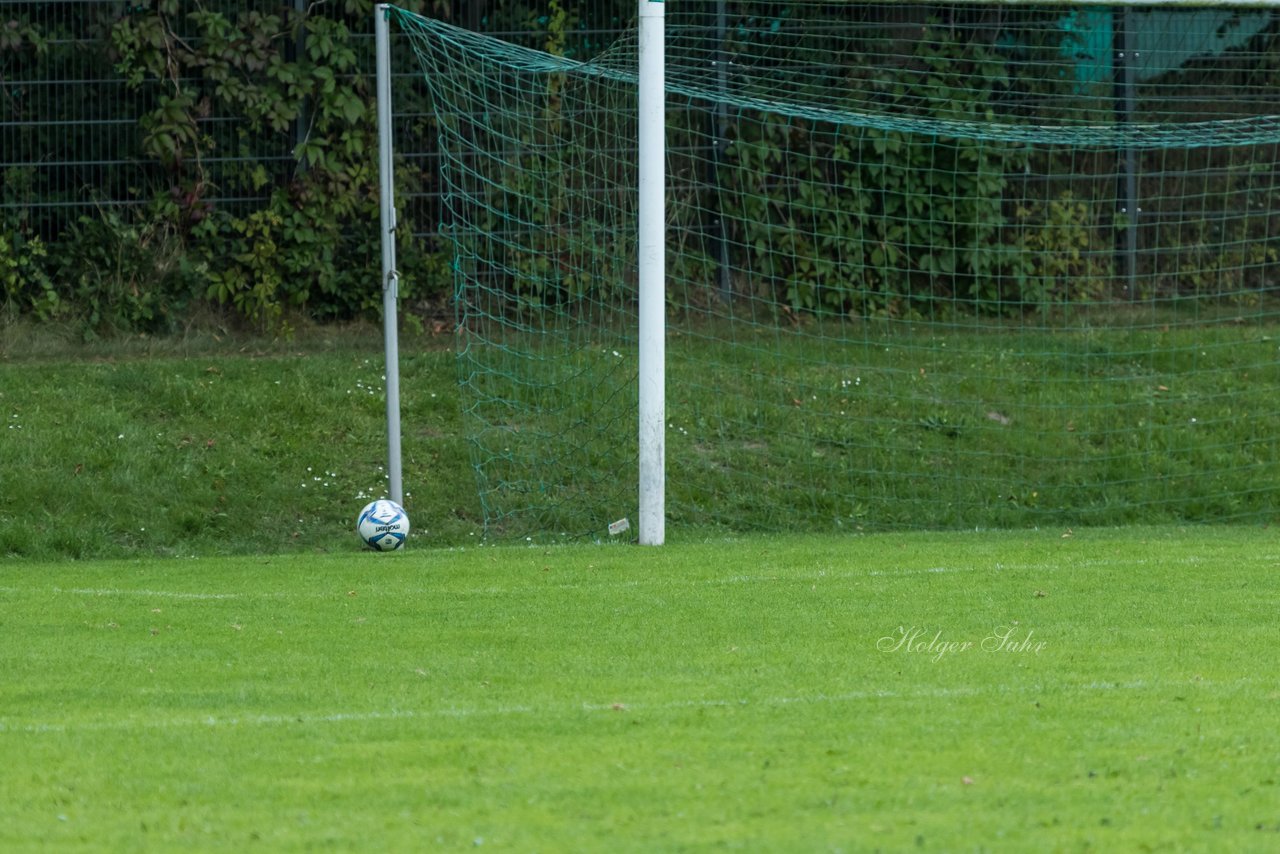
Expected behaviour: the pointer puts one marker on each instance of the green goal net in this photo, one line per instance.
(932, 266)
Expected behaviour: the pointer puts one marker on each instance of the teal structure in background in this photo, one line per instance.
(1156, 44)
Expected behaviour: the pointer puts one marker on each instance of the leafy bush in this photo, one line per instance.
(124, 275)
(311, 246)
(28, 288)
(870, 221)
(252, 175)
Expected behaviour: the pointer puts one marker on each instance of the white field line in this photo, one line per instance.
(142, 592)
(516, 588)
(163, 594)
(462, 713)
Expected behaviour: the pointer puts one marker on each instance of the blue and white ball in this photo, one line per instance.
(383, 525)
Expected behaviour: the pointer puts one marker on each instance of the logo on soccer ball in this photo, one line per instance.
(383, 525)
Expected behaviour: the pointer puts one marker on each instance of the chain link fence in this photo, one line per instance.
(112, 110)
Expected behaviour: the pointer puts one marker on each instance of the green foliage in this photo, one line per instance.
(877, 222)
(1054, 257)
(565, 199)
(295, 254)
(27, 284)
(1236, 270)
(829, 218)
(223, 92)
(19, 34)
(291, 253)
(867, 220)
(252, 280)
(125, 275)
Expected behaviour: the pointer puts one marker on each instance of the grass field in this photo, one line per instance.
(173, 448)
(197, 655)
(200, 447)
(1109, 690)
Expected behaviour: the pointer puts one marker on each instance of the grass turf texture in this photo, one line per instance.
(222, 448)
(207, 447)
(744, 693)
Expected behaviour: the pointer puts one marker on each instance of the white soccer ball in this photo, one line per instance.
(383, 525)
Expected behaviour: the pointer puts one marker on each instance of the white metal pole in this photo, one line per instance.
(390, 278)
(651, 158)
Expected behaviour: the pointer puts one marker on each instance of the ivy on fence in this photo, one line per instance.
(277, 216)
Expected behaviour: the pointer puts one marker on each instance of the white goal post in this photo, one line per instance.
(390, 277)
(651, 157)
(652, 266)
